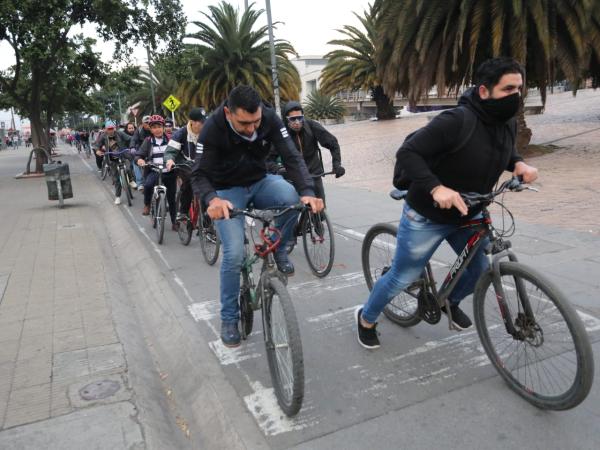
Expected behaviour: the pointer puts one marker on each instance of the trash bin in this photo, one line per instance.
(58, 181)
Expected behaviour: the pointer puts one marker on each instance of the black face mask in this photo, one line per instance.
(502, 109)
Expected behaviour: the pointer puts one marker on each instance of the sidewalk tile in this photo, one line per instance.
(8, 351)
(100, 338)
(71, 364)
(67, 321)
(28, 405)
(39, 346)
(106, 358)
(10, 331)
(35, 327)
(32, 372)
(68, 340)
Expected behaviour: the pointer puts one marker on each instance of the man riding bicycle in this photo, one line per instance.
(438, 167)
(182, 149)
(231, 173)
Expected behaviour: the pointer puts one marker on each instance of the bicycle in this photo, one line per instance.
(198, 219)
(121, 172)
(281, 332)
(158, 205)
(78, 146)
(317, 239)
(510, 328)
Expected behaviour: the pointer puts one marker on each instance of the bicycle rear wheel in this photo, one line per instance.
(377, 252)
(283, 346)
(161, 215)
(317, 239)
(186, 227)
(550, 364)
(246, 311)
(125, 185)
(209, 239)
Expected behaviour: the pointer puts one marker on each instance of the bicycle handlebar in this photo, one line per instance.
(266, 215)
(331, 172)
(118, 153)
(515, 184)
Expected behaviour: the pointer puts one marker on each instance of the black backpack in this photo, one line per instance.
(469, 123)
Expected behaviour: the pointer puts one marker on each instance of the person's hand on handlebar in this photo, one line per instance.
(170, 164)
(527, 172)
(219, 208)
(446, 198)
(316, 204)
(141, 163)
(339, 171)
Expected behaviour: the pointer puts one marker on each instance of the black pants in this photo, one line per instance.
(98, 161)
(186, 192)
(169, 181)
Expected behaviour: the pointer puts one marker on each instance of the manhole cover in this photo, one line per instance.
(99, 390)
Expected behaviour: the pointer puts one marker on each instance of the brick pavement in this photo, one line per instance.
(56, 327)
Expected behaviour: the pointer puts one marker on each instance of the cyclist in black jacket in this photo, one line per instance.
(231, 173)
(437, 173)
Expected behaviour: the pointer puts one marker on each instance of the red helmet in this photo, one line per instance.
(156, 119)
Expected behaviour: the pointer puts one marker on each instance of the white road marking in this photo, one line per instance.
(262, 403)
(228, 356)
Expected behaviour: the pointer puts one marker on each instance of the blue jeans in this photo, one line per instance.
(417, 240)
(271, 191)
(139, 175)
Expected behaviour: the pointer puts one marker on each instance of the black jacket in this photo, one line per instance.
(225, 160)
(307, 142)
(425, 157)
(180, 149)
(138, 137)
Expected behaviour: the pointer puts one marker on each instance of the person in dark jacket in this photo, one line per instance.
(231, 173)
(307, 135)
(437, 174)
(139, 135)
(181, 150)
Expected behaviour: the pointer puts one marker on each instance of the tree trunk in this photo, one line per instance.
(39, 136)
(385, 106)
(523, 132)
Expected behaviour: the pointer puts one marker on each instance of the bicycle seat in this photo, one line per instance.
(397, 194)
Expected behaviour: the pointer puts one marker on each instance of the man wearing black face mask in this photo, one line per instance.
(465, 149)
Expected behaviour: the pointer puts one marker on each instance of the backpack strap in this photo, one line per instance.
(467, 128)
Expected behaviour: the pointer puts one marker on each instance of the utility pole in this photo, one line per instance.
(120, 110)
(273, 59)
(151, 81)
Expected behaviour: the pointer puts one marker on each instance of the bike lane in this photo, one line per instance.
(355, 397)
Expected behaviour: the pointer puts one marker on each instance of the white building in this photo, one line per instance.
(310, 68)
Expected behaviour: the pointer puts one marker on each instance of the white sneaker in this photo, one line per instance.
(133, 184)
(118, 201)
(140, 187)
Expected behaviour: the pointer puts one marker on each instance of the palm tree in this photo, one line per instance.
(354, 68)
(440, 42)
(320, 106)
(232, 53)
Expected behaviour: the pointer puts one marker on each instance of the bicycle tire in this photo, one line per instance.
(105, 169)
(210, 243)
(161, 215)
(282, 341)
(125, 186)
(377, 251)
(522, 275)
(246, 311)
(314, 240)
(185, 228)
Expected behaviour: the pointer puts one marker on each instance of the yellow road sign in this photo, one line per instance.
(171, 103)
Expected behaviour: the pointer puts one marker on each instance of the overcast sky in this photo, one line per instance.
(307, 24)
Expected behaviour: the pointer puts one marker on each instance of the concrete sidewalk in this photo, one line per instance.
(75, 370)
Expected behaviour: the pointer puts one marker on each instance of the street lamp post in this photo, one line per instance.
(151, 81)
(273, 60)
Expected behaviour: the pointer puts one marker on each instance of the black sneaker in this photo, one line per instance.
(284, 265)
(230, 335)
(367, 337)
(459, 318)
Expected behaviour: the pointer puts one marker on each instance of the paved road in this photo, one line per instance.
(426, 386)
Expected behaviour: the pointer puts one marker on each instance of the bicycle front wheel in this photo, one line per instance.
(377, 252)
(185, 228)
(209, 240)
(549, 362)
(125, 185)
(105, 169)
(161, 215)
(283, 346)
(317, 239)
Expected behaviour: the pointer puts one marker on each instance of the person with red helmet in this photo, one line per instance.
(152, 150)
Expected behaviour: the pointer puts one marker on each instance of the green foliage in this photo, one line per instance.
(234, 50)
(441, 42)
(321, 106)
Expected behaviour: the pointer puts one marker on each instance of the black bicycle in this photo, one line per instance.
(121, 172)
(158, 204)
(317, 239)
(532, 335)
(280, 325)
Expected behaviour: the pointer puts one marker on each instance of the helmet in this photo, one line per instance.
(156, 119)
(109, 124)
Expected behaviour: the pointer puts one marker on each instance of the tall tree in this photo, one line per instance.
(440, 42)
(353, 67)
(233, 50)
(40, 33)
